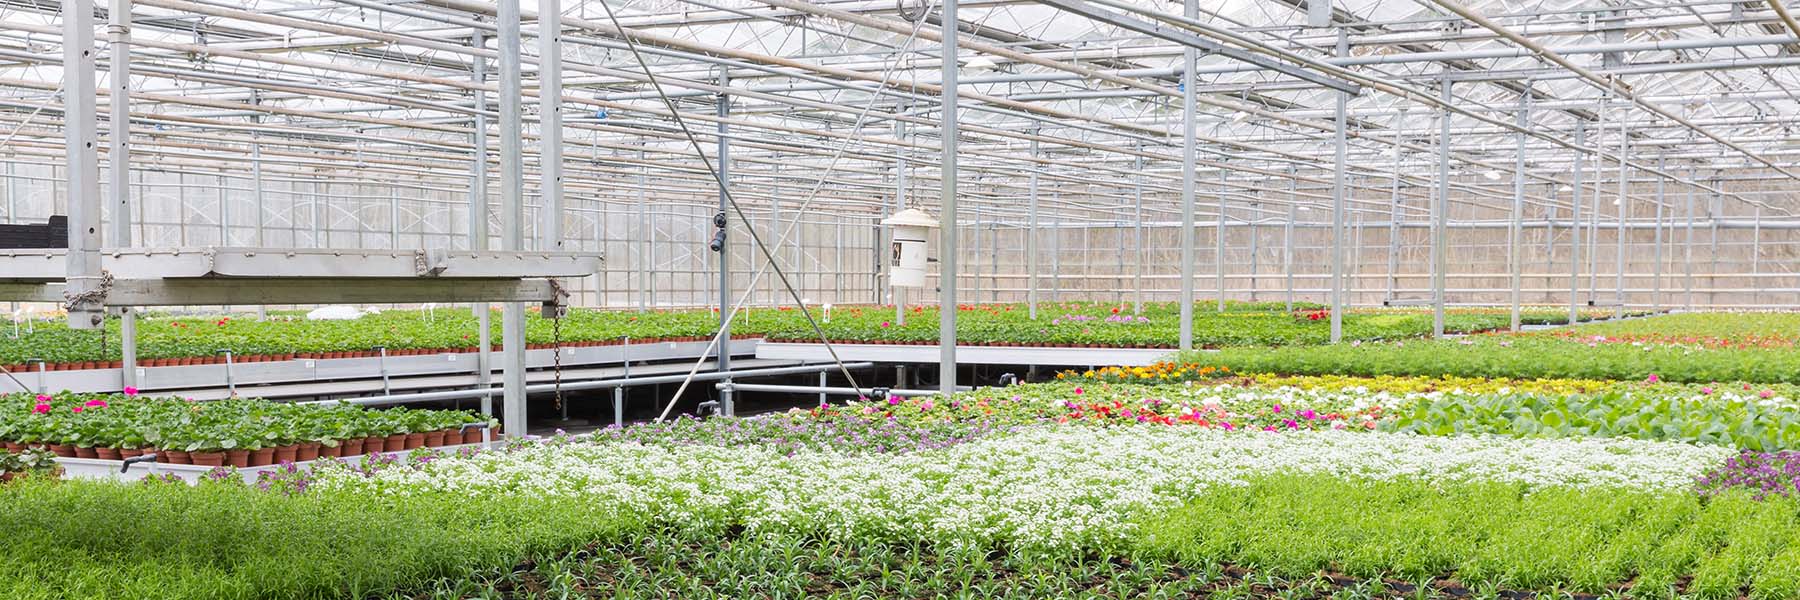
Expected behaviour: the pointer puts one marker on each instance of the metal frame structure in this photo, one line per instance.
(1481, 137)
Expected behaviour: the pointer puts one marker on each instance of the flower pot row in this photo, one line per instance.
(185, 361)
(244, 458)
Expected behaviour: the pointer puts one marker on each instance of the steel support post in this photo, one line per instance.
(724, 167)
(1624, 206)
(118, 156)
(1337, 203)
(1137, 225)
(1687, 243)
(512, 213)
(1031, 235)
(1593, 240)
(900, 168)
(550, 135)
(1656, 275)
(478, 223)
(1190, 9)
(947, 241)
(1393, 259)
(1440, 219)
(646, 292)
(1513, 255)
(1255, 232)
(82, 177)
(1756, 255)
(1219, 244)
(1287, 236)
(1575, 226)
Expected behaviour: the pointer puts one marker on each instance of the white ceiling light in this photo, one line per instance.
(1492, 175)
(1565, 188)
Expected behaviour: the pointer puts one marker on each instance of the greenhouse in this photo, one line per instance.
(774, 299)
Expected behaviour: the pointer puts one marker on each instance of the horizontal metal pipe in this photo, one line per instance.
(814, 389)
(587, 385)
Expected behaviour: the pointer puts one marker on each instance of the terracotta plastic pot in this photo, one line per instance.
(395, 442)
(63, 450)
(414, 440)
(179, 457)
(286, 453)
(262, 457)
(208, 459)
(130, 452)
(472, 436)
(350, 447)
(307, 451)
(86, 452)
(331, 451)
(107, 453)
(374, 444)
(434, 439)
(238, 458)
(14, 447)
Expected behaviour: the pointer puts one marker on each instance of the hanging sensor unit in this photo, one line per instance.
(912, 231)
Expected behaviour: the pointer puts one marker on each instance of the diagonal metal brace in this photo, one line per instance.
(1161, 31)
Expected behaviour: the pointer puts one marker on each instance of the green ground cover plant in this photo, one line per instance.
(1711, 330)
(79, 540)
(1517, 357)
(68, 422)
(286, 335)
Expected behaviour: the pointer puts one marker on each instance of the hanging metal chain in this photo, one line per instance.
(556, 359)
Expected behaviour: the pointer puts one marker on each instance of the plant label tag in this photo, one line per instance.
(309, 364)
(452, 357)
(140, 371)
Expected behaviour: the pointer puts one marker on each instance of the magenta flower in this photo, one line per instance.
(1652, 379)
(1078, 391)
(44, 398)
(1767, 394)
(893, 400)
(41, 408)
(96, 403)
(1706, 391)
(131, 391)
(886, 324)
(76, 409)
(1278, 409)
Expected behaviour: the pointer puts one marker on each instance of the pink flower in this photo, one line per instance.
(131, 391)
(1652, 379)
(1078, 391)
(76, 409)
(1767, 394)
(1278, 409)
(1228, 426)
(886, 324)
(927, 405)
(893, 400)
(42, 409)
(1706, 391)
(43, 398)
(96, 403)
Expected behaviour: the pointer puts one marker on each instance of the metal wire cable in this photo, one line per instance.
(724, 190)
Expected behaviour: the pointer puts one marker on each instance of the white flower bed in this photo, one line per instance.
(1053, 486)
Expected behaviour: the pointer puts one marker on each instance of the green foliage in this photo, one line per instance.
(1068, 323)
(1517, 357)
(1487, 535)
(1670, 413)
(130, 421)
(80, 540)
